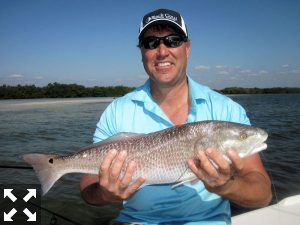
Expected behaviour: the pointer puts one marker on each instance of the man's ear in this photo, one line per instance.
(188, 47)
(142, 58)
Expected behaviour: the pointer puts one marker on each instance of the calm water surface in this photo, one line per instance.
(65, 125)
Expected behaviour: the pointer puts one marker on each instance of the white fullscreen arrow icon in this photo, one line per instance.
(8, 216)
(31, 193)
(31, 216)
(7, 193)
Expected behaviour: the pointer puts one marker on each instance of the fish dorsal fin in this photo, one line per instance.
(121, 136)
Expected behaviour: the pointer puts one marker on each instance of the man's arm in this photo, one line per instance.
(108, 186)
(249, 187)
(91, 192)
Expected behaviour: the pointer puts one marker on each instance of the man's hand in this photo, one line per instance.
(113, 186)
(249, 187)
(109, 185)
(214, 170)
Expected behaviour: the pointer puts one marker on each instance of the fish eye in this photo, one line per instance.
(243, 136)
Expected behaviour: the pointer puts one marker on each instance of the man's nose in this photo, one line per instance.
(162, 49)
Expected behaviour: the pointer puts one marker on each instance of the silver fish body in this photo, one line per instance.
(161, 156)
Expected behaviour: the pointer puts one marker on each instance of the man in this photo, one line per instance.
(170, 98)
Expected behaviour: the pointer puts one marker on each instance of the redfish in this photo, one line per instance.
(161, 156)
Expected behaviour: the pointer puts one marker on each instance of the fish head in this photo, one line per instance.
(245, 139)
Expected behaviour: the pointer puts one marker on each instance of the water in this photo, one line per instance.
(65, 125)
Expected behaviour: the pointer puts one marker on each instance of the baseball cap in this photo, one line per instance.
(163, 16)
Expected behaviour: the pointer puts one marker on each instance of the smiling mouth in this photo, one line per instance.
(163, 64)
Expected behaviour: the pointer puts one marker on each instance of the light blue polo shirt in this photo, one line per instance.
(137, 112)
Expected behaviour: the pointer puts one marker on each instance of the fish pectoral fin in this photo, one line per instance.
(185, 177)
(192, 179)
(182, 175)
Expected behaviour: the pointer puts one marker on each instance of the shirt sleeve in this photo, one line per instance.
(106, 126)
(238, 114)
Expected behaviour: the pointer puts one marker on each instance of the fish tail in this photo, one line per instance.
(45, 168)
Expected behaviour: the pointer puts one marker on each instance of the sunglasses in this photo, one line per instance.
(171, 41)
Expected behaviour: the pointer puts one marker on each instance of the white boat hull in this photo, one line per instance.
(285, 212)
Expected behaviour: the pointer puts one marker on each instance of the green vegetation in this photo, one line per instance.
(274, 90)
(57, 90)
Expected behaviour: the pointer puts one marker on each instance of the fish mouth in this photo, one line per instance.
(261, 147)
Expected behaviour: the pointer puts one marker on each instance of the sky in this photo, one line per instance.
(245, 43)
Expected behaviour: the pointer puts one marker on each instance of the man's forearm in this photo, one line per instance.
(250, 190)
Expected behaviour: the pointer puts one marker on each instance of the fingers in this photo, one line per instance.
(111, 166)
(203, 169)
(127, 190)
(117, 166)
(116, 187)
(211, 167)
(206, 164)
(193, 165)
(237, 161)
(128, 175)
(218, 160)
(105, 166)
(133, 188)
(213, 163)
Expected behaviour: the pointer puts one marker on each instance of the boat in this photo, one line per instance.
(285, 212)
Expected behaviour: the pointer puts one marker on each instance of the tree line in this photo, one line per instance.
(273, 90)
(57, 90)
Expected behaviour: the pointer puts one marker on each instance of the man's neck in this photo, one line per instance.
(170, 94)
(174, 101)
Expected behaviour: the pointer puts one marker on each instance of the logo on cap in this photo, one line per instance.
(161, 16)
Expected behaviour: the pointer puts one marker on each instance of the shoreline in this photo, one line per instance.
(6, 104)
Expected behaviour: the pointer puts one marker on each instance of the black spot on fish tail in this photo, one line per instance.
(51, 160)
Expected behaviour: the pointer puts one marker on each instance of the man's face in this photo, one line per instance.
(165, 66)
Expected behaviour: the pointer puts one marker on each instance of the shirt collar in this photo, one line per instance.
(143, 93)
(196, 90)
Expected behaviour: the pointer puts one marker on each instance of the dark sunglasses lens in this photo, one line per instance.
(150, 42)
(173, 41)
